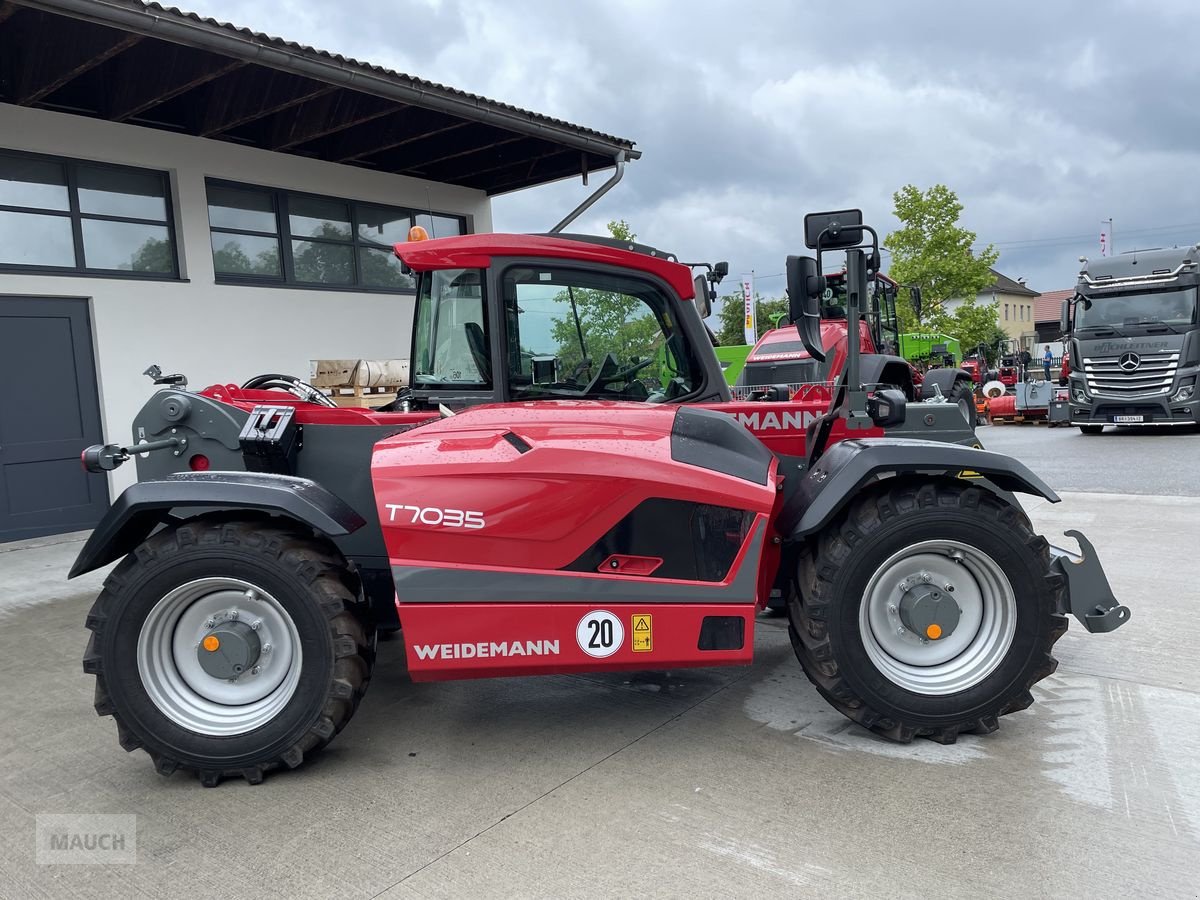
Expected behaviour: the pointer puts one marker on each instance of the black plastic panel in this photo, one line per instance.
(715, 441)
(696, 542)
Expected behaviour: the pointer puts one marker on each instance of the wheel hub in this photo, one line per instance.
(228, 650)
(929, 612)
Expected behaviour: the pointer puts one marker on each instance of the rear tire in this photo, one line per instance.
(885, 677)
(147, 625)
(1092, 429)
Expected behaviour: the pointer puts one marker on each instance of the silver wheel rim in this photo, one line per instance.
(178, 685)
(978, 643)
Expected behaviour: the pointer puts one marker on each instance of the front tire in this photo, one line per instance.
(852, 621)
(277, 608)
(963, 397)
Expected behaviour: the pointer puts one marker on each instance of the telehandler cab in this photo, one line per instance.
(587, 513)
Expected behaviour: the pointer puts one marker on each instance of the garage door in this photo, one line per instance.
(49, 411)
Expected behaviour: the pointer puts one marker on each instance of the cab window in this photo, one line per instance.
(450, 346)
(572, 333)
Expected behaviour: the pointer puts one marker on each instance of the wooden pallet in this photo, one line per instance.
(365, 397)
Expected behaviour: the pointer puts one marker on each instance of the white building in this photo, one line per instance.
(178, 191)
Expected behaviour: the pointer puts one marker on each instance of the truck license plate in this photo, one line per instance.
(1128, 420)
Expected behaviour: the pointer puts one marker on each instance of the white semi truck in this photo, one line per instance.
(1134, 340)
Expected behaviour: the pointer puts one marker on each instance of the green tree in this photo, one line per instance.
(620, 229)
(153, 256)
(973, 324)
(610, 322)
(732, 331)
(932, 251)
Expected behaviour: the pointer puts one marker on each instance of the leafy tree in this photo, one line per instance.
(972, 324)
(620, 229)
(610, 322)
(932, 251)
(732, 331)
(231, 259)
(153, 256)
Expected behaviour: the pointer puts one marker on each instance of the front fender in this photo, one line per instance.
(845, 467)
(145, 505)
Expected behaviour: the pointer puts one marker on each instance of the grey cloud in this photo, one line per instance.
(1044, 117)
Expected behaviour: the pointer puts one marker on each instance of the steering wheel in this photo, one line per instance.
(291, 384)
(607, 376)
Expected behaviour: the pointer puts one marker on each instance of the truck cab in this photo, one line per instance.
(1135, 340)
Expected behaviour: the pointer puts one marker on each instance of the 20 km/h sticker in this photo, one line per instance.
(600, 633)
(642, 640)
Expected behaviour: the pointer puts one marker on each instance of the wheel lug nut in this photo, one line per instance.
(892, 609)
(256, 670)
(256, 624)
(926, 577)
(949, 588)
(900, 630)
(266, 648)
(233, 615)
(210, 623)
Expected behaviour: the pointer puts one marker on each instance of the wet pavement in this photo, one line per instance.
(701, 783)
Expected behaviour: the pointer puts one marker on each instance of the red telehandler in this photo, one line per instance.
(595, 508)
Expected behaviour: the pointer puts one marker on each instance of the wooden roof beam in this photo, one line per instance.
(145, 83)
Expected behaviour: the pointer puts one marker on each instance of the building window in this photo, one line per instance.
(266, 236)
(1005, 312)
(63, 215)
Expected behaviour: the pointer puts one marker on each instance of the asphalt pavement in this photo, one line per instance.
(701, 783)
(1120, 460)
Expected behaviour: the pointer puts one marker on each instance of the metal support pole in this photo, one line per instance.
(856, 283)
(583, 207)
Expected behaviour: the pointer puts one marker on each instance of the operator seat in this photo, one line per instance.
(477, 344)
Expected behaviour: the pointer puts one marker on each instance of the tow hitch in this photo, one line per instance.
(1089, 597)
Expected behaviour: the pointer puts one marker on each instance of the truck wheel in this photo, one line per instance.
(1092, 429)
(229, 648)
(963, 396)
(927, 610)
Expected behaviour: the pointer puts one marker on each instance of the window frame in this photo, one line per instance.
(76, 217)
(283, 233)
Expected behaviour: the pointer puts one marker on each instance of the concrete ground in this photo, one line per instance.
(703, 783)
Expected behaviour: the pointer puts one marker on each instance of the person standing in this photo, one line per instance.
(1046, 360)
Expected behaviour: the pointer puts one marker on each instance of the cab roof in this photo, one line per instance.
(476, 251)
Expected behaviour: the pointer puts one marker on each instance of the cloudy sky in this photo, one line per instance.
(1044, 117)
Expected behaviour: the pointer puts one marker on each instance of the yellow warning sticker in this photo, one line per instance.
(643, 636)
(968, 473)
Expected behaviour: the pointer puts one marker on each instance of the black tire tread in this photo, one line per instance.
(813, 603)
(329, 580)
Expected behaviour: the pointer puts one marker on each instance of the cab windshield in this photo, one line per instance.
(1174, 309)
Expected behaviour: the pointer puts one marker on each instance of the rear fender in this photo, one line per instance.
(841, 472)
(147, 504)
(944, 379)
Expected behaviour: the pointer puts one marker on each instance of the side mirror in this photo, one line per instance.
(703, 298)
(720, 270)
(887, 407)
(1064, 317)
(804, 286)
(914, 293)
(842, 228)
